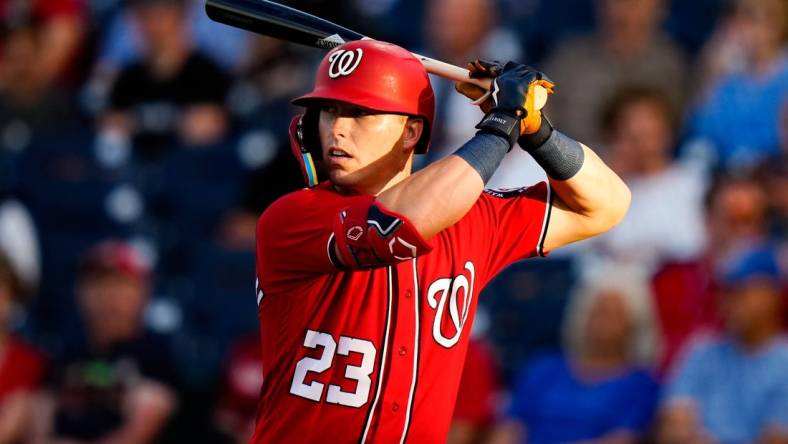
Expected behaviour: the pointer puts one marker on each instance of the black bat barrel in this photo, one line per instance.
(279, 21)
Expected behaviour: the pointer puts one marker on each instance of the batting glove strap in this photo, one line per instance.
(501, 124)
(530, 142)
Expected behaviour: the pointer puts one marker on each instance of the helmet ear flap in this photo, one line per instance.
(302, 133)
(310, 133)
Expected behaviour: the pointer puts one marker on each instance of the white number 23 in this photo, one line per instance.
(335, 395)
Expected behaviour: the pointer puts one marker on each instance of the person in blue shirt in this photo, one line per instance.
(738, 119)
(734, 389)
(599, 389)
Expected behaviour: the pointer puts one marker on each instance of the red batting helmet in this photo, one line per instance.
(375, 75)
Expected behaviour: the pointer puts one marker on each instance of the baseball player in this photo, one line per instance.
(368, 282)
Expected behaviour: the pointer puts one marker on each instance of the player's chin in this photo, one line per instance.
(344, 179)
(340, 177)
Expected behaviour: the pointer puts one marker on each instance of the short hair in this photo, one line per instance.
(113, 256)
(632, 283)
(24, 28)
(627, 96)
(735, 7)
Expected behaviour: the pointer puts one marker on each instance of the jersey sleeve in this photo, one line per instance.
(314, 232)
(294, 235)
(513, 223)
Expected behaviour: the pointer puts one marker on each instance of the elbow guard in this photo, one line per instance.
(367, 235)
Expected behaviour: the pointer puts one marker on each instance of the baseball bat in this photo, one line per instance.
(283, 22)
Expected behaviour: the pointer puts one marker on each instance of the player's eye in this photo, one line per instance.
(330, 109)
(358, 112)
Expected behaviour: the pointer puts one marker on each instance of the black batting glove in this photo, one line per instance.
(512, 113)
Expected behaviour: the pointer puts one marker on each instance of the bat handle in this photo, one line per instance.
(458, 74)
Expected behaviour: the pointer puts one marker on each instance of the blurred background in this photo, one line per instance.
(139, 142)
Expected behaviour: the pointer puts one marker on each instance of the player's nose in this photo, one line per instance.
(341, 126)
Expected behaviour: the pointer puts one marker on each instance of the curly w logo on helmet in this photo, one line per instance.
(344, 62)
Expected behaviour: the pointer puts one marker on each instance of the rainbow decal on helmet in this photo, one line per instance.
(309, 167)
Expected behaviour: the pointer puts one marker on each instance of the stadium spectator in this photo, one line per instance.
(117, 387)
(601, 388)
(736, 210)
(174, 93)
(685, 291)
(62, 34)
(773, 175)
(121, 43)
(746, 84)
(21, 365)
(641, 126)
(627, 48)
(240, 388)
(272, 72)
(733, 388)
(737, 217)
(19, 244)
(459, 31)
(29, 102)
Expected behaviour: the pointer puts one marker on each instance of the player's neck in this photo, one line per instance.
(395, 175)
(401, 176)
(760, 335)
(373, 189)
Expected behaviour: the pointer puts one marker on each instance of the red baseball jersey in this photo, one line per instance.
(375, 355)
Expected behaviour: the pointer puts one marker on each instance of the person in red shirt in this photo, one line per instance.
(241, 380)
(61, 30)
(368, 281)
(21, 365)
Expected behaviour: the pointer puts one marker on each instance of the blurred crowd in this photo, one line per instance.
(139, 142)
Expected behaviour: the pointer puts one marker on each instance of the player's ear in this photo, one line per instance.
(414, 127)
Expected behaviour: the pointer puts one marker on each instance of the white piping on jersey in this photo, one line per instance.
(388, 229)
(328, 250)
(382, 361)
(412, 395)
(259, 292)
(405, 244)
(543, 233)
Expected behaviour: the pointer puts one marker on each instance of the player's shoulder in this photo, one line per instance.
(288, 205)
(300, 205)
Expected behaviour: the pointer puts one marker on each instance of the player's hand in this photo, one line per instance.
(479, 69)
(516, 86)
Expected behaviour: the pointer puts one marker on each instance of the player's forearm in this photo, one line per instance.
(596, 194)
(435, 197)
